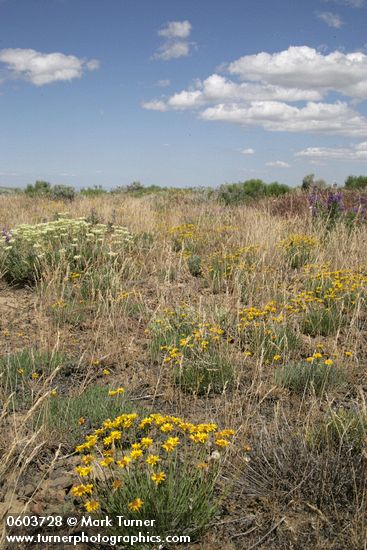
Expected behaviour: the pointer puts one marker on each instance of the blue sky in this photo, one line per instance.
(182, 92)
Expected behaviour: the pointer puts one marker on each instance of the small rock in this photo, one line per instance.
(28, 490)
(61, 481)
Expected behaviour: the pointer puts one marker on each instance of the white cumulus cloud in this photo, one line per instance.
(173, 50)
(176, 29)
(176, 44)
(44, 68)
(278, 164)
(354, 152)
(331, 19)
(248, 151)
(335, 118)
(306, 68)
(286, 91)
(155, 105)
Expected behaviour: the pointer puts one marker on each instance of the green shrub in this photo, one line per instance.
(63, 192)
(237, 193)
(356, 182)
(276, 189)
(95, 191)
(39, 188)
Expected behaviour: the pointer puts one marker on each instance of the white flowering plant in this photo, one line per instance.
(27, 251)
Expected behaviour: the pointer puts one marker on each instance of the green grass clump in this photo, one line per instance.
(209, 373)
(341, 428)
(322, 321)
(73, 415)
(303, 377)
(23, 374)
(268, 340)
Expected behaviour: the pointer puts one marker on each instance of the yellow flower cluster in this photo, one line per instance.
(297, 241)
(157, 438)
(184, 231)
(203, 336)
(223, 264)
(321, 288)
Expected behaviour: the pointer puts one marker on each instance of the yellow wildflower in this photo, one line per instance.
(146, 442)
(152, 460)
(170, 444)
(80, 490)
(158, 478)
(83, 471)
(91, 505)
(136, 454)
(222, 442)
(135, 505)
(124, 462)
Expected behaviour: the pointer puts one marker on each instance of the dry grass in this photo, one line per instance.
(293, 494)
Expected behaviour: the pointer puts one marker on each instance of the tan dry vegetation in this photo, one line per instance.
(285, 486)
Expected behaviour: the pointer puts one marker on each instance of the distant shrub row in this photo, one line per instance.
(229, 193)
(236, 193)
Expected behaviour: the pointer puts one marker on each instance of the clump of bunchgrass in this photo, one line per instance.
(194, 263)
(204, 373)
(322, 321)
(298, 249)
(23, 373)
(284, 469)
(197, 351)
(341, 428)
(315, 374)
(70, 416)
(155, 467)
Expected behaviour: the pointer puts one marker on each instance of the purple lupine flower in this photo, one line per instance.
(6, 235)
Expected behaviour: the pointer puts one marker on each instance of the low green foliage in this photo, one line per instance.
(194, 264)
(346, 428)
(303, 377)
(322, 321)
(267, 341)
(238, 193)
(22, 374)
(356, 182)
(210, 372)
(72, 416)
(95, 191)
